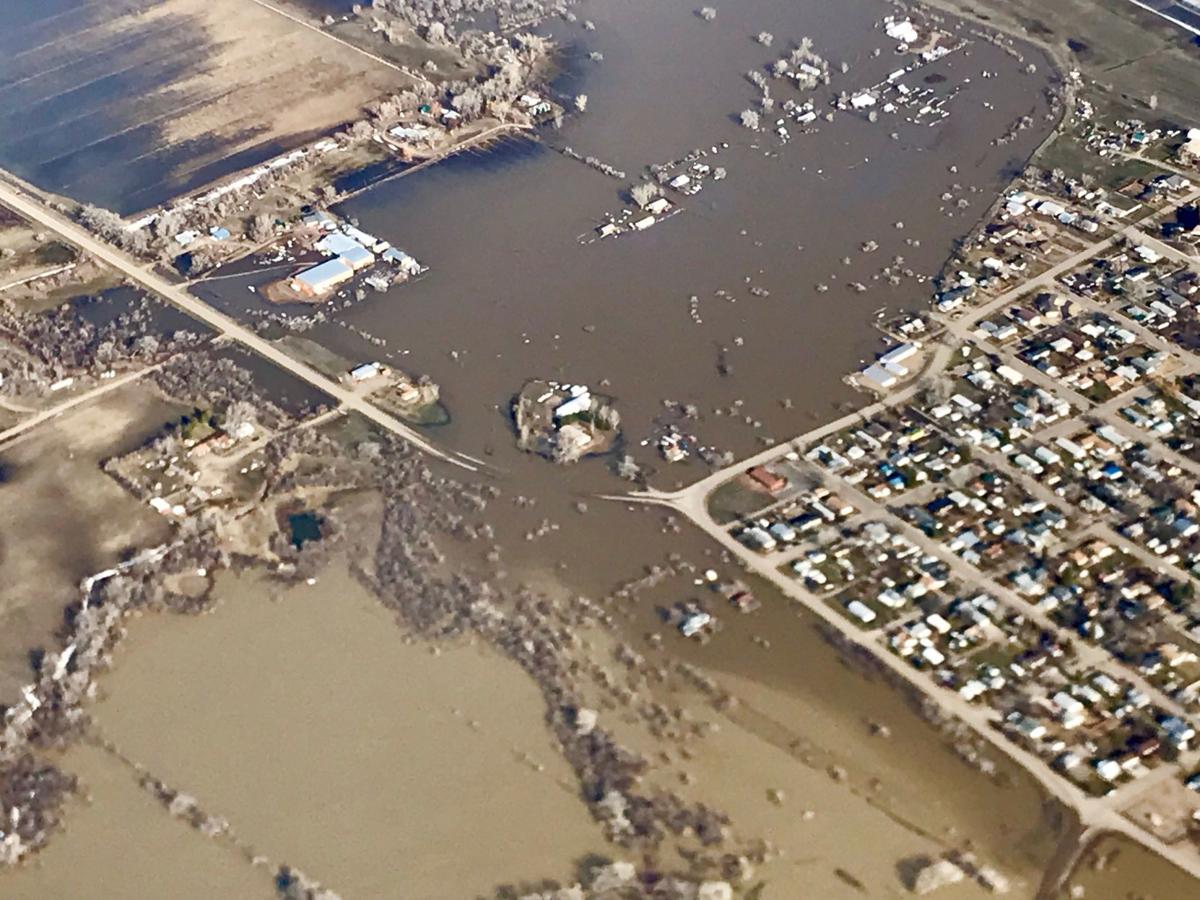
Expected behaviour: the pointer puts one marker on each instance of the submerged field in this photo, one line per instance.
(329, 743)
(126, 104)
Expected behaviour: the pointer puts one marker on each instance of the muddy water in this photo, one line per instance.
(799, 702)
(283, 735)
(512, 294)
(371, 764)
(121, 844)
(1117, 868)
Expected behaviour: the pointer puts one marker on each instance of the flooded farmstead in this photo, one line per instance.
(502, 448)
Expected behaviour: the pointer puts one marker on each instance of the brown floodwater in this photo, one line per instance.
(518, 290)
(297, 724)
(329, 743)
(513, 294)
(1116, 868)
(120, 845)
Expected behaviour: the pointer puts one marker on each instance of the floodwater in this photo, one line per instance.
(1117, 867)
(271, 712)
(512, 294)
(799, 702)
(518, 290)
(120, 844)
(373, 765)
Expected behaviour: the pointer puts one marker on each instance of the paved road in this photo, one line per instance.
(34, 210)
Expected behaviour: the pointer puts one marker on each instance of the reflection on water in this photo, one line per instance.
(304, 527)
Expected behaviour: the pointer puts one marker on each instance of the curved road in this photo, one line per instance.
(36, 211)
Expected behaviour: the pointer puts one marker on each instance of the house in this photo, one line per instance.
(758, 539)
(861, 611)
(411, 132)
(322, 279)
(575, 436)
(899, 354)
(1071, 713)
(764, 477)
(644, 223)
(658, 206)
(1118, 206)
(579, 402)
(357, 257)
(407, 264)
(335, 244)
(694, 623)
(534, 104)
(1191, 147)
(1179, 734)
(903, 31)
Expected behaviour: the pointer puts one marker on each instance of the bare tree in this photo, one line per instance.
(643, 192)
(262, 228)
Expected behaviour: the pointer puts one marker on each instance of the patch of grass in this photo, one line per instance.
(734, 500)
(55, 253)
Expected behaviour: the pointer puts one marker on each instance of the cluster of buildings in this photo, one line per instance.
(563, 421)
(920, 105)
(1094, 355)
(1003, 641)
(1038, 226)
(889, 455)
(349, 251)
(183, 472)
(1022, 528)
(799, 511)
(891, 367)
(631, 220)
(988, 519)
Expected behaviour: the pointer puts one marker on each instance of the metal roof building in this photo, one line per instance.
(323, 278)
